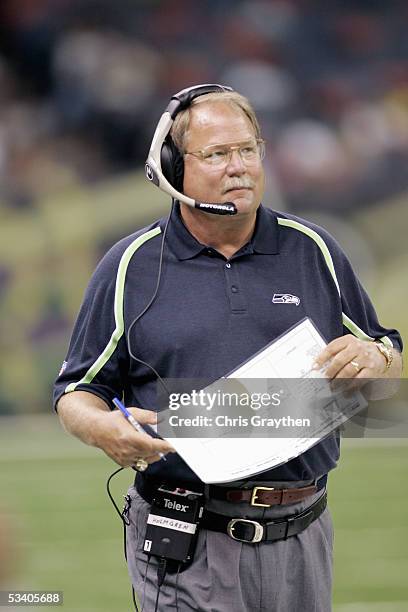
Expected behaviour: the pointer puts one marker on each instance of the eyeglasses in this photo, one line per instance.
(220, 155)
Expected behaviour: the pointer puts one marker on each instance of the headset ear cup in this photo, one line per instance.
(172, 164)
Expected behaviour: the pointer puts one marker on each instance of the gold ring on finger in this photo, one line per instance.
(141, 465)
(355, 365)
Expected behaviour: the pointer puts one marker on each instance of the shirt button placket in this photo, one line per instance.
(237, 300)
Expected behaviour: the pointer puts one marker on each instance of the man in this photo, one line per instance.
(198, 310)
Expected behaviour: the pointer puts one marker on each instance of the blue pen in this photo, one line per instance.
(129, 417)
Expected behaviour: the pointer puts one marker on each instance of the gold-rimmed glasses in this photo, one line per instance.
(219, 155)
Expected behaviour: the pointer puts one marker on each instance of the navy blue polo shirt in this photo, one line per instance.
(210, 315)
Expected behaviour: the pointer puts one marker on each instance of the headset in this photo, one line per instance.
(165, 166)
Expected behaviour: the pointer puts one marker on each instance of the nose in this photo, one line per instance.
(235, 164)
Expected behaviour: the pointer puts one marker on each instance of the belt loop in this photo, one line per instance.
(288, 523)
(317, 480)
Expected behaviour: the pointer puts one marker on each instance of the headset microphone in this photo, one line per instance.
(164, 164)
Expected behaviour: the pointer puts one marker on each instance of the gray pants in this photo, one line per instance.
(293, 575)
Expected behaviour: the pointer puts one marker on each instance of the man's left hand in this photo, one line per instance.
(349, 357)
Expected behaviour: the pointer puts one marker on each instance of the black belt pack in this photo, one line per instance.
(172, 524)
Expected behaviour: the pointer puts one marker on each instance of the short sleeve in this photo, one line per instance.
(359, 315)
(97, 359)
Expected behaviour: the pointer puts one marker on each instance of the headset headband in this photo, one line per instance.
(153, 166)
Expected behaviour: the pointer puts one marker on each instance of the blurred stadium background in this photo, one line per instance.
(82, 85)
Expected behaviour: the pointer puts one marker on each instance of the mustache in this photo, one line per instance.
(238, 183)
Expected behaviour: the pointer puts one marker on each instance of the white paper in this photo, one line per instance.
(223, 459)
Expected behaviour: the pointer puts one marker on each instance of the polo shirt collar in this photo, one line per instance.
(265, 239)
(185, 246)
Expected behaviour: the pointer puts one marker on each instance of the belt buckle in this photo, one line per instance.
(258, 530)
(255, 495)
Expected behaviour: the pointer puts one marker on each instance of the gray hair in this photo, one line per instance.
(181, 123)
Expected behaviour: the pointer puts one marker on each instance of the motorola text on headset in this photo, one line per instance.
(165, 166)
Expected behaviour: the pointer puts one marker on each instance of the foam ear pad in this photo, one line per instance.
(172, 164)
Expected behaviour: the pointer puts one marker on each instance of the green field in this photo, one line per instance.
(69, 538)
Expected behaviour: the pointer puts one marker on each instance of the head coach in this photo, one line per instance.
(192, 296)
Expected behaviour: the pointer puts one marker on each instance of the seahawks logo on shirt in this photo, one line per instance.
(285, 298)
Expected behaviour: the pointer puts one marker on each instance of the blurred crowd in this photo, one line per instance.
(83, 83)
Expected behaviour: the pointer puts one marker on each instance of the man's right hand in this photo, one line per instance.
(87, 417)
(122, 443)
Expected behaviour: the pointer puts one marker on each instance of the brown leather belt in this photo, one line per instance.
(265, 496)
(260, 496)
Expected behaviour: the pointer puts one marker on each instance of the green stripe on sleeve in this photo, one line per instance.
(359, 333)
(118, 310)
(347, 322)
(386, 340)
(318, 240)
(355, 329)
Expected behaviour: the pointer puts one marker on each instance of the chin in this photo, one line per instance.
(245, 207)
